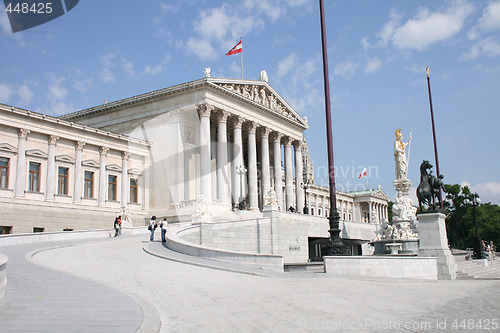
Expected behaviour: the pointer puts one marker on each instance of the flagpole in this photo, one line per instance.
(241, 53)
(433, 130)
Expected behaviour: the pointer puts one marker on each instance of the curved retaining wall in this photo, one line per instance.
(13, 239)
(3, 275)
(256, 260)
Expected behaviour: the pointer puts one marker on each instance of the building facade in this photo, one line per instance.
(227, 141)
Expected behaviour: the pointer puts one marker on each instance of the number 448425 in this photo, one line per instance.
(35, 8)
(476, 324)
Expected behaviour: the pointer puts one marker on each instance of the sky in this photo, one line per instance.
(378, 51)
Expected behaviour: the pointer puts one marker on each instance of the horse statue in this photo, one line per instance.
(436, 185)
(424, 189)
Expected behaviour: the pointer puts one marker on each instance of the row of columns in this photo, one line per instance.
(20, 185)
(380, 209)
(224, 189)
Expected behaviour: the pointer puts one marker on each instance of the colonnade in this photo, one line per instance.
(231, 182)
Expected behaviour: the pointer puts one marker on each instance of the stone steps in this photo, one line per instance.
(478, 271)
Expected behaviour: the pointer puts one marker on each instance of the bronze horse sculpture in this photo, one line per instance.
(429, 188)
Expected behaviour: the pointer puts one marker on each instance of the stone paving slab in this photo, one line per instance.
(43, 300)
(200, 299)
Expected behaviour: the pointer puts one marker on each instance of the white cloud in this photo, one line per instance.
(385, 34)
(427, 28)
(346, 69)
(488, 47)
(56, 91)
(153, 70)
(364, 42)
(25, 95)
(488, 192)
(128, 67)
(106, 74)
(5, 93)
(82, 83)
(272, 9)
(373, 65)
(287, 64)
(491, 17)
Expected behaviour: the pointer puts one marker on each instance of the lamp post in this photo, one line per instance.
(305, 186)
(335, 244)
(474, 200)
(241, 170)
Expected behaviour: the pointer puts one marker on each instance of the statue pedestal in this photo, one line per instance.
(434, 243)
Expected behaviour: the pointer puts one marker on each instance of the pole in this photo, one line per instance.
(335, 244)
(434, 132)
(241, 54)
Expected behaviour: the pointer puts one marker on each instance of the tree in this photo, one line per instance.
(460, 219)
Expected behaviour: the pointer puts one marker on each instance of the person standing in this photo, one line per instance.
(163, 226)
(116, 226)
(119, 225)
(152, 227)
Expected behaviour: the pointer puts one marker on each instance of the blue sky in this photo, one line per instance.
(378, 51)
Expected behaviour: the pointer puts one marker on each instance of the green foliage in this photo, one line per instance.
(389, 210)
(460, 220)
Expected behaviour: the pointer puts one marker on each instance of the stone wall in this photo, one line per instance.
(3, 275)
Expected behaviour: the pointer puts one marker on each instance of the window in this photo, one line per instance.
(62, 181)
(34, 177)
(112, 188)
(88, 184)
(5, 230)
(133, 190)
(37, 229)
(4, 172)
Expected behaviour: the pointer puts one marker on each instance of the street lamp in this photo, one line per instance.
(241, 170)
(473, 199)
(305, 186)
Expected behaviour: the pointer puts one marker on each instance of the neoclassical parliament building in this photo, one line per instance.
(227, 141)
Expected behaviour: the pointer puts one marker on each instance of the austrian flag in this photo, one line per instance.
(362, 174)
(238, 48)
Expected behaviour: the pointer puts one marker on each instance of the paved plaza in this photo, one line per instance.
(129, 284)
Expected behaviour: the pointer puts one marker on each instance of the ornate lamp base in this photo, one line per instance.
(335, 245)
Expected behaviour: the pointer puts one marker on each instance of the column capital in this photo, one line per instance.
(204, 109)
(125, 155)
(146, 160)
(297, 144)
(264, 132)
(222, 116)
(53, 139)
(22, 133)
(103, 150)
(287, 141)
(276, 136)
(79, 145)
(237, 121)
(251, 126)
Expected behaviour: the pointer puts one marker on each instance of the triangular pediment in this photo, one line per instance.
(381, 194)
(261, 93)
(37, 153)
(90, 164)
(114, 167)
(135, 172)
(65, 159)
(6, 148)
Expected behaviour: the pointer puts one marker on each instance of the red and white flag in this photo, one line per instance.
(362, 174)
(238, 48)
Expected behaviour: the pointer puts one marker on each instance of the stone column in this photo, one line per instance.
(204, 111)
(125, 184)
(289, 174)
(51, 168)
(278, 181)
(252, 167)
(299, 177)
(145, 183)
(102, 176)
(77, 193)
(22, 135)
(264, 151)
(237, 158)
(222, 162)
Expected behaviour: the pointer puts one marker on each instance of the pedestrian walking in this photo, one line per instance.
(152, 227)
(163, 226)
(119, 225)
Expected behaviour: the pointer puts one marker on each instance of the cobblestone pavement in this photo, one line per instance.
(199, 299)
